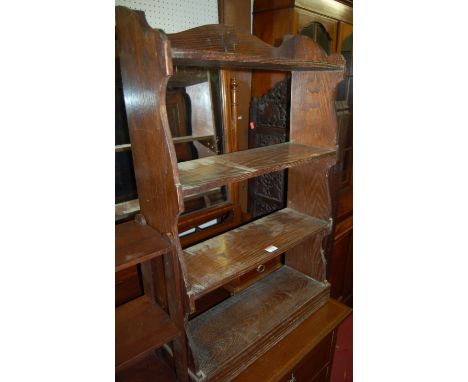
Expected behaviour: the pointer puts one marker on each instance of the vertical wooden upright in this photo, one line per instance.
(312, 122)
(146, 66)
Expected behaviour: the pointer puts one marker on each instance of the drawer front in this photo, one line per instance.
(314, 366)
(251, 277)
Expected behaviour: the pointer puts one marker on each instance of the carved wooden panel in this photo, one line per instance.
(270, 121)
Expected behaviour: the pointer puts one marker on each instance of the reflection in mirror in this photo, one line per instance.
(191, 94)
(195, 120)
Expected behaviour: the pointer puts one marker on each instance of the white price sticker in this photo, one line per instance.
(271, 248)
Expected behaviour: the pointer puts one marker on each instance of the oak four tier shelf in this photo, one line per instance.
(222, 342)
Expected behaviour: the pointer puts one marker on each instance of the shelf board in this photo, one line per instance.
(140, 327)
(229, 337)
(126, 209)
(205, 173)
(136, 243)
(212, 59)
(219, 260)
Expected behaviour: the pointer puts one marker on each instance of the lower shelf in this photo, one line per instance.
(140, 327)
(219, 260)
(229, 337)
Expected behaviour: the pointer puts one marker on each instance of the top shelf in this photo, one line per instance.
(203, 174)
(193, 57)
(224, 46)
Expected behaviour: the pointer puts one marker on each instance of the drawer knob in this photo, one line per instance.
(261, 268)
(292, 379)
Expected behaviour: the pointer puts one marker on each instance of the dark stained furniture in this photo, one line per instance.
(219, 344)
(306, 354)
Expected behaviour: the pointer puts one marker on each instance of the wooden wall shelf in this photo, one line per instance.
(218, 344)
(219, 260)
(203, 174)
(140, 327)
(136, 243)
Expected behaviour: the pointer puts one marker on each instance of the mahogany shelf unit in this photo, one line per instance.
(203, 174)
(221, 342)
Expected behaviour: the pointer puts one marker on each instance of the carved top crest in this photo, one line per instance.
(225, 46)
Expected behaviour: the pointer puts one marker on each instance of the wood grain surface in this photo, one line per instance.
(226, 339)
(203, 174)
(140, 326)
(313, 116)
(230, 336)
(135, 243)
(309, 257)
(146, 65)
(227, 47)
(222, 258)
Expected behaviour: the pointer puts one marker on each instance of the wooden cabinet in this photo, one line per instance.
(316, 363)
(221, 343)
(305, 355)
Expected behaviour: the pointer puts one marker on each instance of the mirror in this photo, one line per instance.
(193, 104)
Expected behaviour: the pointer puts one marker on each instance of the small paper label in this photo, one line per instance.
(271, 248)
